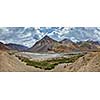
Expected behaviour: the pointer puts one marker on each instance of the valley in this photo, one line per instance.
(50, 55)
(77, 62)
(47, 61)
(46, 56)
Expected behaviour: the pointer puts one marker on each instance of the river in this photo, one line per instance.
(45, 56)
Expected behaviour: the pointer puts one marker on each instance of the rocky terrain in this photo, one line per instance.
(10, 63)
(48, 44)
(3, 46)
(89, 45)
(16, 47)
(88, 63)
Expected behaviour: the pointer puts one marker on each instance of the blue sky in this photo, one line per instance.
(29, 35)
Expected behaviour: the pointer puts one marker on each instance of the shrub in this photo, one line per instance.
(49, 64)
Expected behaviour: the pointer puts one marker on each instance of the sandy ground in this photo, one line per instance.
(88, 63)
(9, 63)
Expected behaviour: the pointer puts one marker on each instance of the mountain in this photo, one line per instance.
(89, 45)
(29, 35)
(3, 46)
(88, 63)
(16, 47)
(92, 64)
(69, 44)
(46, 44)
(96, 43)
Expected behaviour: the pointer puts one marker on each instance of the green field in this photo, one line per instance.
(49, 64)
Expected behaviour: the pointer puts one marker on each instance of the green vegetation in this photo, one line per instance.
(85, 44)
(49, 64)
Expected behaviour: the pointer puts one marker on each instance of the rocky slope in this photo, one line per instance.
(89, 45)
(9, 63)
(93, 64)
(16, 47)
(48, 44)
(3, 46)
(88, 63)
(67, 45)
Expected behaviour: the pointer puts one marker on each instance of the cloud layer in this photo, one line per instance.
(29, 35)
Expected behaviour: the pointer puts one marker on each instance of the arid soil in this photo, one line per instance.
(9, 63)
(88, 63)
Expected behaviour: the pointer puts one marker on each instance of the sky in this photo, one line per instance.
(28, 36)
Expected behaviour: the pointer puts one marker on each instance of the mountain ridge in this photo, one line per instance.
(17, 47)
(47, 44)
(43, 45)
(3, 46)
(28, 35)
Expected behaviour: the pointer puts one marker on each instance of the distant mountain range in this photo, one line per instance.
(30, 35)
(47, 44)
(11, 46)
(89, 45)
(4, 47)
(16, 47)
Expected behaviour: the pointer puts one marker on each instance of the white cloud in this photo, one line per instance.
(2, 41)
(28, 34)
(73, 39)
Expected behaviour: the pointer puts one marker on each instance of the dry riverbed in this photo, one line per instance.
(47, 61)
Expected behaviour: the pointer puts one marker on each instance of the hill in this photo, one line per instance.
(87, 63)
(16, 47)
(89, 45)
(9, 63)
(47, 44)
(67, 45)
(4, 47)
